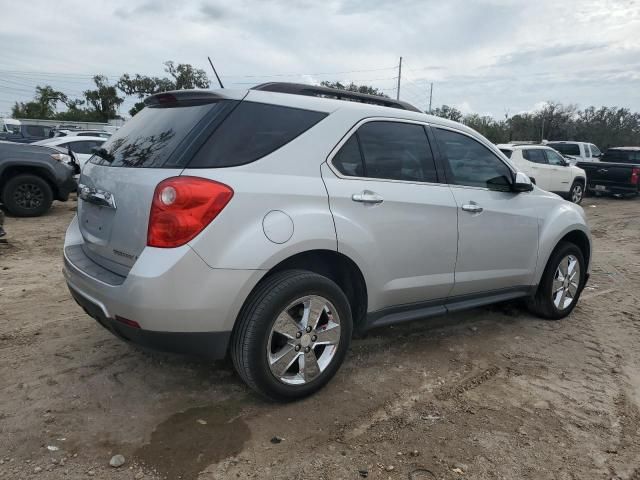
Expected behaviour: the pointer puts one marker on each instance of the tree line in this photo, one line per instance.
(101, 103)
(604, 126)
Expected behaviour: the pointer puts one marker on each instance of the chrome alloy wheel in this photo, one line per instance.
(576, 193)
(303, 340)
(566, 282)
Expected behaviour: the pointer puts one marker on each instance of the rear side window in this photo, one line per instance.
(252, 131)
(535, 155)
(150, 138)
(35, 130)
(566, 148)
(348, 160)
(389, 150)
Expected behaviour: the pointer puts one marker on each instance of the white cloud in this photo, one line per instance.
(494, 55)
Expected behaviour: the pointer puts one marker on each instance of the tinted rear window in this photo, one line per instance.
(252, 131)
(621, 156)
(151, 137)
(566, 148)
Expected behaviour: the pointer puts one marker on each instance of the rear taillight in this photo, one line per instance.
(635, 175)
(182, 207)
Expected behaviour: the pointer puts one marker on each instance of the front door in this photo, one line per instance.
(560, 173)
(498, 229)
(392, 216)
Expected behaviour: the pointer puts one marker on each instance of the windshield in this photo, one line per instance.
(566, 148)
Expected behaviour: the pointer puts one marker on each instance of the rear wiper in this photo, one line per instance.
(103, 153)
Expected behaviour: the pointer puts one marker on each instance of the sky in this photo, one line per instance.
(492, 57)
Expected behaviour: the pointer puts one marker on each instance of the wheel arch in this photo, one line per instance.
(576, 234)
(334, 265)
(13, 170)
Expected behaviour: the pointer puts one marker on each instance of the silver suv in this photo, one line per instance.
(272, 224)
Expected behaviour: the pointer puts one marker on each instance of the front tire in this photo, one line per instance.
(27, 195)
(562, 283)
(292, 335)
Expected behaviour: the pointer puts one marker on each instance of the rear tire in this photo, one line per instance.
(561, 283)
(576, 194)
(276, 351)
(27, 195)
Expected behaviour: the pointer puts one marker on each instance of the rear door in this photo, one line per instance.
(392, 213)
(498, 229)
(117, 185)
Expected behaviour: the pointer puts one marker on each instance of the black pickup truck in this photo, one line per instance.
(32, 177)
(617, 172)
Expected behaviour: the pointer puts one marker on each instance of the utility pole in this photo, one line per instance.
(399, 76)
(430, 97)
(214, 71)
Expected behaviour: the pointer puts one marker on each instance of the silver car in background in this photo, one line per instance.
(271, 224)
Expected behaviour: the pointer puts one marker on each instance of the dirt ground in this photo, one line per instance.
(486, 394)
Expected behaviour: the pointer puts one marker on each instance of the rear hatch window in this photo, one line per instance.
(152, 137)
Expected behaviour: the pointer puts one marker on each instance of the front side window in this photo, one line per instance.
(595, 151)
(35, 130)
(555, 158)
(388, 150)
(535, 155)
(470, 163)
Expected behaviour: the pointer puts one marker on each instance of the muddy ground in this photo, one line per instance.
(489, 393)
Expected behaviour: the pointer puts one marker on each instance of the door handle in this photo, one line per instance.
(367, 196)
(472, 207)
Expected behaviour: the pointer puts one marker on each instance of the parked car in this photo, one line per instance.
(617, 174)
(270, 224)
(81, 146)
(577, 151)
(80, 133)
(548, 169)
(25, 133)
(32, 176)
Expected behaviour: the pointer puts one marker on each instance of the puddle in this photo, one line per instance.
(187, 442)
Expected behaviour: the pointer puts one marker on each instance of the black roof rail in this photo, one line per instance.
(326, 92)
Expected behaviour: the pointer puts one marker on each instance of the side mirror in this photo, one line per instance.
(522, 183)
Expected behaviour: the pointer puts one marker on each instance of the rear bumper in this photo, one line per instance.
(211, 345)
(181, 304)
(612, 188)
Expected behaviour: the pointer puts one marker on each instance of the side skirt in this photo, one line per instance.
(424, 310)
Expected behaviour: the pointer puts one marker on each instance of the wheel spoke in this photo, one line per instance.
(330, 335)
(309, 367)
(313, 309)
(571, 265)
(557, 285)
(286, 325)
(573, 289)
(283, 359)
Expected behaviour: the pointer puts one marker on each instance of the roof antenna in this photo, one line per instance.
(214, 71)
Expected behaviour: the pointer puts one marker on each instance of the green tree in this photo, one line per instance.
(103, 100)
(451, 113)
(42, 106)
(183, 76)
(352, 87)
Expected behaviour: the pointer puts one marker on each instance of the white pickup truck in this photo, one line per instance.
(577, 151)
